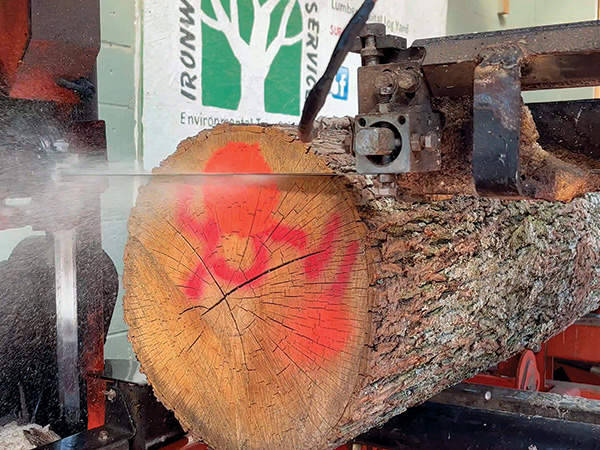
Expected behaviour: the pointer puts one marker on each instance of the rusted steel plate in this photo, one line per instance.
(565, 55)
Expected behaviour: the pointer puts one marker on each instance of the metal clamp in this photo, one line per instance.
(397, 130)
(497, 122)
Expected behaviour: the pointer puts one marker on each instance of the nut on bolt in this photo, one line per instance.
(408, 80)
(430, 141)
(388, 186)
(370, 53)
(373, 29)
(415, 142)
(386, 85)
(103, 435)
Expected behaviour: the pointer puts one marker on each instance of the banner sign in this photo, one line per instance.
(207, 62)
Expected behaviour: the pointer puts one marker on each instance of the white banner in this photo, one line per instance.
(252, 61)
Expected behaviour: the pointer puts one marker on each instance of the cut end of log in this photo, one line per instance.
(247, 297)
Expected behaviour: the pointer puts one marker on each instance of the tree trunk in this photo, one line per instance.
(299, 311)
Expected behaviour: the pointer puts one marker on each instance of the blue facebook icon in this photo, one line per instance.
(339, 89)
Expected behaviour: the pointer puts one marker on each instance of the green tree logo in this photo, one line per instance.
(252, 55)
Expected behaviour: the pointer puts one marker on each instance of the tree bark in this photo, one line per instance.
(299, 311)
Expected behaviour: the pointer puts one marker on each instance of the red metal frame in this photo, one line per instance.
(93, 367)
(580, 342)
(573, 351)
(14, 35)
(43, 41)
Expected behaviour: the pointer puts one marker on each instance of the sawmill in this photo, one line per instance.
(299, 224)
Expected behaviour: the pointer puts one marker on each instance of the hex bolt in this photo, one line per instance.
(387, 192)
(103, 436)
(408, 80)
(429, 141)
(386, 178)
(110, 395)
(370, 53)
(388, 185)
(374, 141)
(416, 141)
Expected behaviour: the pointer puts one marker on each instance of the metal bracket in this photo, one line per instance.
(497, 122)
(135, 420)
(399, 142)
(397, 130)
(115, 434)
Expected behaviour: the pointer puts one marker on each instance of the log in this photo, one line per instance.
(297, 312)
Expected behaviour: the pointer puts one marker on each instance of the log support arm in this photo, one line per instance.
(497, 123)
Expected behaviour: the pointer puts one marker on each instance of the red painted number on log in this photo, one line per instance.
(321, 329)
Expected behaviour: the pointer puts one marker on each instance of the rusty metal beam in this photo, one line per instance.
(556, 56)
(530, 403)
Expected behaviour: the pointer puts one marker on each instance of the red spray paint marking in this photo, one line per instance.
(316, 263)
(232, 209)
(242, 209)
(321, 330)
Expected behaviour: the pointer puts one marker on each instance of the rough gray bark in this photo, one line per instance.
(461, 284)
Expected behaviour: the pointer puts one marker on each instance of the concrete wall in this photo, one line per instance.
(116, 77)
(470, 16)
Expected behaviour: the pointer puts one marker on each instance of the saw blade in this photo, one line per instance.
(65, 175)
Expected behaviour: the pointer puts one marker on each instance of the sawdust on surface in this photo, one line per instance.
(13, 437)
